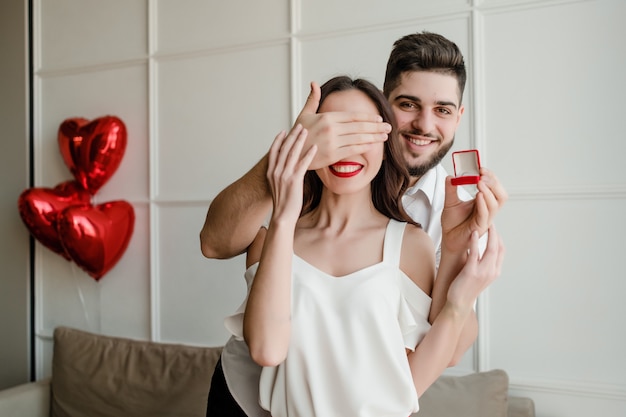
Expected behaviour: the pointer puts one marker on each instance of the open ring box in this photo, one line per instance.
(466, 167)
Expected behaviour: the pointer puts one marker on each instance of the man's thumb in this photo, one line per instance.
(313, 100)
(452, 198)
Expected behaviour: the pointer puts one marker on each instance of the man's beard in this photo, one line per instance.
(416, 171)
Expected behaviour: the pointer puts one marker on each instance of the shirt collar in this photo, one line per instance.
(426, 184)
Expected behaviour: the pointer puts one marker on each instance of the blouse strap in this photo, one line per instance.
(392, 246)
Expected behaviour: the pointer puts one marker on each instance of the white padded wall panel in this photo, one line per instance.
(553, 134)
(359, 55)
(66, 294)
(550, 99)
(553, 312)
(330, 15)
(118, 91)
(571, 402)
(91, 32)
(200, 24)
(44, 351)
(125, 291)
(517, 5)
(195, 293)
(217, 116)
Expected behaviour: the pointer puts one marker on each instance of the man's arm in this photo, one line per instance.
(237, 212)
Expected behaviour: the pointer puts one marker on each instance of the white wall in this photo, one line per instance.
(203, 87)
(14, 245)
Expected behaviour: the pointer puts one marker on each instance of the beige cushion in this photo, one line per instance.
(98, 376)
(482, 394)
(521, 407)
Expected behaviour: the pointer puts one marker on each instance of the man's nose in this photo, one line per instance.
(424, 121)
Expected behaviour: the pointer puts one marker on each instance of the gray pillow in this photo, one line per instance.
(101, 376)
(482, 394)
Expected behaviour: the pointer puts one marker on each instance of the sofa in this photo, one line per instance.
(102, 376)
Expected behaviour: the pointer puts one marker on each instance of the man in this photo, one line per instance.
(424, 83)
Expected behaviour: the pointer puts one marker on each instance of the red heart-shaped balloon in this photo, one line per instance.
(92, 150)
(96, 237)
(39, 209)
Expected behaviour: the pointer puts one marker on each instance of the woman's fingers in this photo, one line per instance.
(273, 153)
(287, 144)
(294, 151)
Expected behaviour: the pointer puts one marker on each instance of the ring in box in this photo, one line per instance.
(466, 167)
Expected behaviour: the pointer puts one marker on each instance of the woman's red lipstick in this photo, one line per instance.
(345, 169)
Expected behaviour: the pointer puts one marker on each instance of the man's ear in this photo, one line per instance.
(461, 111)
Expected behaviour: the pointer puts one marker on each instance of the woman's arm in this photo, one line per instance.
(449, 267)
(267, 319)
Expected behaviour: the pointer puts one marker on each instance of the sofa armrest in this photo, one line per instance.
(520, 407)
(26, 400)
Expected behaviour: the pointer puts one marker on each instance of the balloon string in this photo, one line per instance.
(98, 309)
(80, 295)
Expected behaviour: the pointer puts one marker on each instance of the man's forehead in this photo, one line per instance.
(428, 86)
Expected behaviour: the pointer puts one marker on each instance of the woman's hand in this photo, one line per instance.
(285, 173)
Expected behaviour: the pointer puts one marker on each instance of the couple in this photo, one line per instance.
(344, 312)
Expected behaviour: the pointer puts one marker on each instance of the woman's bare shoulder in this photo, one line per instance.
(415, 237)
(417, 260)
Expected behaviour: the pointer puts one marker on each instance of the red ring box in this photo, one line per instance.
(466, 167)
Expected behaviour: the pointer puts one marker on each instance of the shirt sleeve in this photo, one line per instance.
(234, 322)
(413, 314)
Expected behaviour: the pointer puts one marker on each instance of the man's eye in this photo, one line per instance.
(407, 105)
(444, 110)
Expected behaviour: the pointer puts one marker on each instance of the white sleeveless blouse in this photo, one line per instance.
(347, 350)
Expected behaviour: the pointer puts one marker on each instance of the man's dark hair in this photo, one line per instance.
(424, 52)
